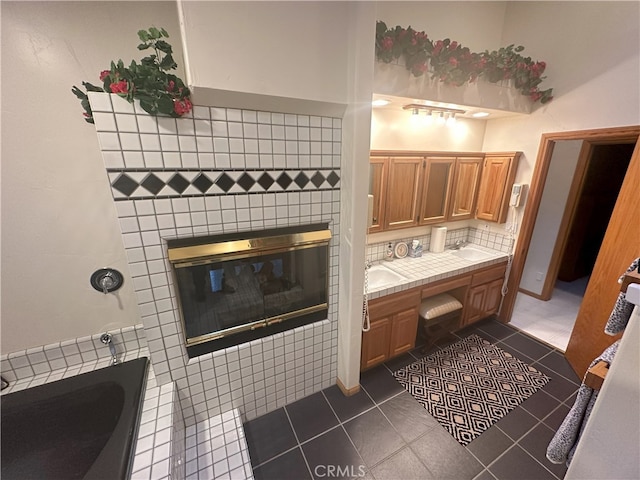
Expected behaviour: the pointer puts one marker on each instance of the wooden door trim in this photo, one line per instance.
(567, 219)
(541, 169)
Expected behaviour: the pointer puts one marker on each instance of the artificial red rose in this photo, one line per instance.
(414, 41)
(453, 61)
(419, 67)
(182, 106)
(171, 86)
(387, 43)
(402, 34)
(453, 45)
(437, 48)
(104, 74)
(120, 87)
(535, 96)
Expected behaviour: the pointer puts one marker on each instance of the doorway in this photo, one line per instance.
(593, 145)
(589, 176)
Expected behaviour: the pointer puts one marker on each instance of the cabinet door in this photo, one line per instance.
(375, 343)
(436, 189)
(498, 174)
(493, 297)
(404, 328)
(474, 304)
(377, 185)
(402, 192)
(465, 188)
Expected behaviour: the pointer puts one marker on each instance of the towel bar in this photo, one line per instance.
(595, 375)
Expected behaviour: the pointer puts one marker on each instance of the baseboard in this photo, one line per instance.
(347, 392)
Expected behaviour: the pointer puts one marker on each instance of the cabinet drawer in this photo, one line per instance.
(390, 304)
(445, 285)
(488, 275)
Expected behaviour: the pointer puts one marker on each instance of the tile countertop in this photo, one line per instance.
(431, 267)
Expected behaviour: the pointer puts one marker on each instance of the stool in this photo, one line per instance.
(438, 315)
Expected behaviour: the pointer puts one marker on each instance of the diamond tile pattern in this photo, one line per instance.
(152, 184)
(178, 183)
(202, 182)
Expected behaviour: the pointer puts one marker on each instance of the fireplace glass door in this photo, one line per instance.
(269, 283)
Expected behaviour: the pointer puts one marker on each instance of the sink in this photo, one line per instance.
(471, 254)
(381, 276)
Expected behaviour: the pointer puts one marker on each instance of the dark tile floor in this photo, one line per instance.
(383, 433)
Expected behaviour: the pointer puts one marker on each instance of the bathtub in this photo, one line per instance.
(81, 427)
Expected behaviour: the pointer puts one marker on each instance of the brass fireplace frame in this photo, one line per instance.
(213, 249)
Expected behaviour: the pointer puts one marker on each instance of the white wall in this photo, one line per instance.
(58, 219)
(289, 49)
(396, 129)
(595, 84)
(477, 25)
(548, 222)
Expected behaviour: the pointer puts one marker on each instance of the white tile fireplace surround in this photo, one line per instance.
(222, 170)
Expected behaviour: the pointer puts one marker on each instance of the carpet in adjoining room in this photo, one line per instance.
(470, 385)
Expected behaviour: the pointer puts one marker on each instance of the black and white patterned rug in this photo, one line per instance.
(470, 385)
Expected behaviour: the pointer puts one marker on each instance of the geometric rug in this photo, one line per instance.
(470, 385)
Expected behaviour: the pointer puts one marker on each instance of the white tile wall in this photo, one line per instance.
(38, 365)
(265, 374)
(495, 241)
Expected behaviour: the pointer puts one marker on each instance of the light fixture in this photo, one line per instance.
(380, 102)
(480, 114)
(441, 114)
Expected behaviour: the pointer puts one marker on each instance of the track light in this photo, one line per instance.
(442, 115)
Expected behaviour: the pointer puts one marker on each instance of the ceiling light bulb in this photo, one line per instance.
(441, 117)
(415, 111)
(452, 119)
(380, 102)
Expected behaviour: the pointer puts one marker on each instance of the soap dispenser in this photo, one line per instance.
(388, 254)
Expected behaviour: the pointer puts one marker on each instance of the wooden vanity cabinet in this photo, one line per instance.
(394, 325)
(394, 318)
(377, 185)
(498, 174)
(484, 294)
(436, 189)
(465, 188)
(403, 190)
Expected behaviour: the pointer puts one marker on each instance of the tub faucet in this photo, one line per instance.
(106, 339)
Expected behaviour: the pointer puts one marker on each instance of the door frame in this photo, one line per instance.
(541, 169)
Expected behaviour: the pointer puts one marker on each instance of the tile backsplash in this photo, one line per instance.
(222, 170)
(496, 241)
(71, 356)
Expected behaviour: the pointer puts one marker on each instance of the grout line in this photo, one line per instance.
(295, 434)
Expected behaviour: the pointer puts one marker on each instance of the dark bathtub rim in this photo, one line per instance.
(117, 457)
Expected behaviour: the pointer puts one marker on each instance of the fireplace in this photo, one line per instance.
(236, 288)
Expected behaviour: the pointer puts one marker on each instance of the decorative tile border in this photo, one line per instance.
(145, 184)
